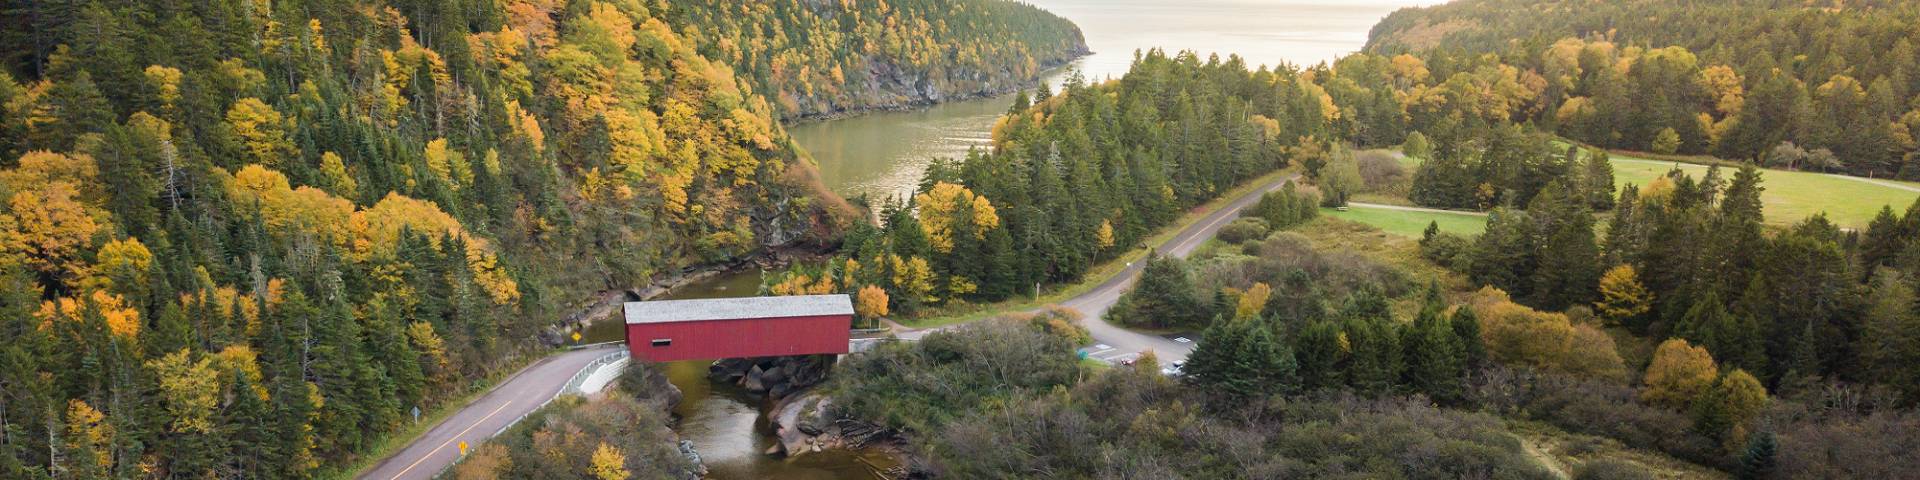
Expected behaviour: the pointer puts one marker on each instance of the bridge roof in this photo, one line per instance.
(669, 311)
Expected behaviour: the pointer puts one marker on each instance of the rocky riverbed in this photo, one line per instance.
(802, 419)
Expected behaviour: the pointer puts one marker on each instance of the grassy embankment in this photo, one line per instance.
(1050, 294)
(1410, 223)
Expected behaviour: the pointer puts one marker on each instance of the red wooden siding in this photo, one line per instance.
(754, 337)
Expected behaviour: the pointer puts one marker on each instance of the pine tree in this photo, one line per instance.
(1466, 328)
(1377, 362)
(1435, 364)
(1887, 236)
(1760, 458)
(1163, 297)
(1599, 180)
(1890, 344)
(1506, 255)
(1569, 258)
(1241, 359)
(1323, 352)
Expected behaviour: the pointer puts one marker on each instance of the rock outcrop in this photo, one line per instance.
(805, 424)
(777, 377)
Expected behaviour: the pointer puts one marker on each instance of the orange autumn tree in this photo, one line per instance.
(121, 319)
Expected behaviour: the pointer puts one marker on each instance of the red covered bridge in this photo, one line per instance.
(669, 330)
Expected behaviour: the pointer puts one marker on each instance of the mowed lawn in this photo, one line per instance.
(1410, 223)
(1789, 196)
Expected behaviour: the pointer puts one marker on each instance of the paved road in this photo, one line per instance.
(1883, 183)
(1115, 344)
(519, 395)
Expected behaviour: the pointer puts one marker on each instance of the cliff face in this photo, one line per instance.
(893, 87)
(824, 59)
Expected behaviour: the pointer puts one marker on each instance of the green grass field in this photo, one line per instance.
(1790, 196)
(1410, 224)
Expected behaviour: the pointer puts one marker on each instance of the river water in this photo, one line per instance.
(883, 155)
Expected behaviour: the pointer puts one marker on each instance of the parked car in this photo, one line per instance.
(1173, 369)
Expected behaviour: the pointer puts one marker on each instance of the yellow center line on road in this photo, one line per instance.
(456, 437)
(1223, 217)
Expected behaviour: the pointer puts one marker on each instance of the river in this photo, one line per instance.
(883, 155)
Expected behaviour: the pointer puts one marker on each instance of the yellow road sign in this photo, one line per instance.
(463, 448)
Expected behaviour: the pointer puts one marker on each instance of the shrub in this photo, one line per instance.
(1518, 335)
(1610, 469)
(923, 386)
(1243, 230)
(1595, 407)
(1381, 173)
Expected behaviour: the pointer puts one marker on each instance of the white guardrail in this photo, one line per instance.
(572, 387)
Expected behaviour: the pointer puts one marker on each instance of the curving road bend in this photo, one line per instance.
(1115, 344)
(515, 397)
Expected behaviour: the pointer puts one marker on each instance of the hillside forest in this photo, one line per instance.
(1738, 79)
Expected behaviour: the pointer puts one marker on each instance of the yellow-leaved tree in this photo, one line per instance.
(333, 172)
(1253, 301)
(1680, 372)
(88, 447)
(261, 130)
(121, 267)
(948, 209)
(870, 303)
(190, 389)
(1104, 236)
(1622, 297)
(608, 463)
(122, 320)
(48, 230)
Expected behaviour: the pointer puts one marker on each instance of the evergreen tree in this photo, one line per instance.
(1598, 179)
(1569, 257)
(1377, 363)
(1323, 353)
(1434, 358)
(1241, 359)
(1734, 339)
(1164, 297)
(1466, 328)
(1761, 457)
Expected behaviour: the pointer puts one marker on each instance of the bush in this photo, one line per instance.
(1518, 335)
(1610, 469)
(1447, 250)
(923, 386)
(1845, 444)
(1058, 321)
(1125, 423)
(1594, 407)
(1381, 173)
(1242, 230)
